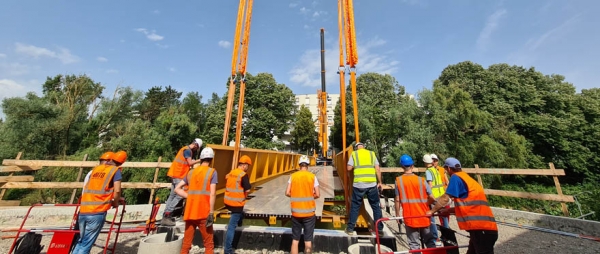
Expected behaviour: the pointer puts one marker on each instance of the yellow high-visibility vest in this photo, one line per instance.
(364, 166)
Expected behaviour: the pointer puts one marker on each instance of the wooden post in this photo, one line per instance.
(559, 191)
(479, 176)
(150, 200)
(78, 179)
(11, 174)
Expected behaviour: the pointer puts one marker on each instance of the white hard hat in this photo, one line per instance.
(427, 158)
(207, 153)
(304, 159)
(433, 156)
(198, 141)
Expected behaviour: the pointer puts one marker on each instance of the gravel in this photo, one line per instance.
(510, 240)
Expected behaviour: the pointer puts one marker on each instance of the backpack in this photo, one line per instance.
(29, 244)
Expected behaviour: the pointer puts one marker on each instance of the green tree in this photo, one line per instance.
(157, 100)
(304, 136)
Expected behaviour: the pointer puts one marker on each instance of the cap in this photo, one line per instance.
(452, 162)
(433, 156)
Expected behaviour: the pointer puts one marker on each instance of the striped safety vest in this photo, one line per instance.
(413, 197)
(179, 167)
(364, 166)
(98, 193)
(197, 206)
(474, 212)
(443, 175)
(302, 200)
(234, 192)
(437, 188)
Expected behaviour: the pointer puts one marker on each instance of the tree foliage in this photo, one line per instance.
(303, 132)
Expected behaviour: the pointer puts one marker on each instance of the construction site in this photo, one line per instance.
(135, 228)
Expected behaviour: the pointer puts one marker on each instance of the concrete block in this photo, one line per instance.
(571, 225)
(156, 244)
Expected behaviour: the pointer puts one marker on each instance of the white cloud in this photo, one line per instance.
(537, 42)
(304, 10)
(112, 71)
(317, 14)
(490, 26)
(293, 5)
(102, 59)
(12, 88)
(63, 54)
(171, 69)
(2, 55)
(307, 71)
(151, 35)
(224, 44)
(14, 69)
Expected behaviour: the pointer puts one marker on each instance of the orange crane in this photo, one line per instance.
(322, 94)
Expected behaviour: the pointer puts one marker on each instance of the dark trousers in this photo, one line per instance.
(482, 241)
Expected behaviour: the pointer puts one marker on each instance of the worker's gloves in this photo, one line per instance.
(210, 220)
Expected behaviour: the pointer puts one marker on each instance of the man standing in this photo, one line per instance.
(102, 190)
(473, 212)
(415, 196)
(303, 189)
(366, 175)
(444, 176)
(178, 170)
(434, 180)
(200, 205)
(236, 191)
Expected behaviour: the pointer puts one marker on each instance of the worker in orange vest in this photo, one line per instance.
(413, 194)
(236, 191)
(200, 205)
(303, 189)
(101, 191)
(178, 170)
(443, 219)
(472, 210)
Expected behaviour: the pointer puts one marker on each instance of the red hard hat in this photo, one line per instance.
(120, 157)
(107, 156)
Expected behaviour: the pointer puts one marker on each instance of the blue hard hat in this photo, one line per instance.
(406, 160)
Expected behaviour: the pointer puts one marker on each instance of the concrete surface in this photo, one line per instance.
(571, 225)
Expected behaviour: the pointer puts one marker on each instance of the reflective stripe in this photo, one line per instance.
(472, 202)
(100, 192)
(180, 161)
(302, 199)
(235, 199)
(234, 190)
(106, 180)
(412, 201)
(363, 175)
(475, 218)
(296, 210)
(95, 202)
(198, 192)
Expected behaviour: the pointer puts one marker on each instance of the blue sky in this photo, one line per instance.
(187, 44)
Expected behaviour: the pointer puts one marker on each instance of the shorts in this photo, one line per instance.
(306, 223)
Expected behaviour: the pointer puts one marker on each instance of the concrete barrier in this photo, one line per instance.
(571, 225)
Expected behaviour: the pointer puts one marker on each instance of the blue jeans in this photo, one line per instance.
(234, 221)
(90, 227)
(357, 200)
(173, 199)
(433, 228)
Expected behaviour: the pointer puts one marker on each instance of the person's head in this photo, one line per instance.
(120, 158)
(207, 155)
(435, 159)
(407, 163)
(427, 159)
(304, 162)
(196, 144)
(244, 162)
(359, 145)
(107, 158)
(452, 165)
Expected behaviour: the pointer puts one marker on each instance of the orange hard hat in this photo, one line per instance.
(245, 159)
(120, 157)
(107, 156)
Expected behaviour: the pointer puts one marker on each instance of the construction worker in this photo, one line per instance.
(200, 205)
(414, 195)
(434, 180)
(367, 181)
(120, 158)
(443, 219)
(178, 170)
(303, 189)
(101, 191)
(236, 191)
(472, 210)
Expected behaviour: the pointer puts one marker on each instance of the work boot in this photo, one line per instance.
(167, 221)
(349, 232)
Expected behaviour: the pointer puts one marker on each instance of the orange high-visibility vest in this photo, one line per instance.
(443, 175)
(302, 200)
(473, 212)
(97, 192)
(234, 192)
(197, 205)
(413, 197)
(179, 167)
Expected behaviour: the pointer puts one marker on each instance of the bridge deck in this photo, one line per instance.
(270, 199)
